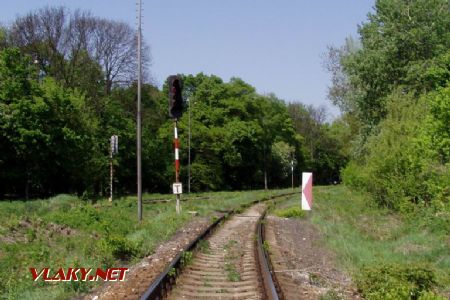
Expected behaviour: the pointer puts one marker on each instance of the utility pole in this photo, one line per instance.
(265, 167)
(292, 173)
(189, 147)
(138, 117)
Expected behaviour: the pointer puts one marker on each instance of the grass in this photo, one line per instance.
(65, 231)
(232, 273)
(366, 237)
(231, 257)
(186, 258)
(331, 295)
(290, 212)
(204, 247)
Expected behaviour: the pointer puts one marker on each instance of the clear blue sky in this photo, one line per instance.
(276, 46)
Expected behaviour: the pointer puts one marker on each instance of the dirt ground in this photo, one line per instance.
(304, 268)
(141, 275)
(27, 227)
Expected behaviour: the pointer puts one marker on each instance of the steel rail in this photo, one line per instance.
(269, 281)
(163, 283)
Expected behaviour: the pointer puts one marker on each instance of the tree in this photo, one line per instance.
(119, 119)
(397, 44)
(60, 42)
(41, 122)
(3, 37)
(322, 144)
(233, 129)
(282, 154)
(307, 122)
(42, 35)
(64, 91)
(114, 48)
(341, 92)
(398, 91)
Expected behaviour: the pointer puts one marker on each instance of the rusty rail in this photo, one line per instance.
(272, 293)
(163, 283)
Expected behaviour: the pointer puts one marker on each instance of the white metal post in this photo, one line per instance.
(111, 174)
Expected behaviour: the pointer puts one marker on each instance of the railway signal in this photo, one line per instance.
(114, 144)
(113, 150)
(175, 97)
(175, 112)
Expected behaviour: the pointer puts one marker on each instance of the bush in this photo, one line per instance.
(290, 212)
(119, 247)
(397, 282)
(206, 176)
(353, 176)
(405, 163)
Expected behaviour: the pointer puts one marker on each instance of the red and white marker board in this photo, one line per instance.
(307, 196)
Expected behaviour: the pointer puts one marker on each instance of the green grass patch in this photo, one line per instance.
(290, 212)
(65, 231)
(372, 240)
(204, 246)
(331, 295)
(186, 258)
(232, 273)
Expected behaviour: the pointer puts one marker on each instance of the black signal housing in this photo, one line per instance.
(175, 96)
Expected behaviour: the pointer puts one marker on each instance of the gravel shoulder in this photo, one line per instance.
(303, 266)
(141, 275)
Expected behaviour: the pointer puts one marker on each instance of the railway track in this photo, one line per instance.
(226, 268)
(229, 264)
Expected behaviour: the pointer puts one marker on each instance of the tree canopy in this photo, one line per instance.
(395, 83)
(67, 84)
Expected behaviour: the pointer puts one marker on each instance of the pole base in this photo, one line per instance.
(178, 207)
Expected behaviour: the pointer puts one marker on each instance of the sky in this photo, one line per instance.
(276, 46)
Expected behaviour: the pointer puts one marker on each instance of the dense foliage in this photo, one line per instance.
(396, 84)
(55, 139)
(66, 86)
(324, 146)
(235, 132)
(397, 282)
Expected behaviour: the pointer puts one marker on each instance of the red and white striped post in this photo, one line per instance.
(177, 185)
(175, 112)
(307, 195)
